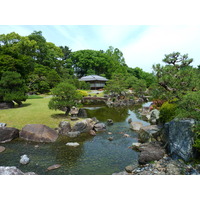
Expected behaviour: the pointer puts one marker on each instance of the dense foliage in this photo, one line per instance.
(12, 88)
(43, 65)
(177, 77)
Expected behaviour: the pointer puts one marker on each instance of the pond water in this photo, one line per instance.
(95, 154)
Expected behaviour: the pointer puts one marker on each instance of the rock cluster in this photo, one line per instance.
(147, 133)
(164, 166)
(4, 170)
(88, 125)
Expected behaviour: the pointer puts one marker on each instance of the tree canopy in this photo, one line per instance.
(43, 65)
(177, 77)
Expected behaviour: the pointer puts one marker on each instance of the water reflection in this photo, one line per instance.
(104, 113)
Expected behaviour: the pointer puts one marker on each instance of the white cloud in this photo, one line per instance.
(160, 40)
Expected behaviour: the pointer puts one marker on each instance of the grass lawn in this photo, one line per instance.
(33, 111)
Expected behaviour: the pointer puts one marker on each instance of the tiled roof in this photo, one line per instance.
(93, 78)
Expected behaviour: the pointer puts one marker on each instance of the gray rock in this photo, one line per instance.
(73, 134)
(64, 127)
(129, 120)
(154, 116)
(8, 133)
(149, 133)
(4, 170)
(136, 126)
(24, 159)
(3, 124)
(109, 121)
(72, 144)
(99, 127)
(84, 126)
(180, 138)
(130, 168)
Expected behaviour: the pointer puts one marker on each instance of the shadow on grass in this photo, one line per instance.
(22, 106)
(59, 116)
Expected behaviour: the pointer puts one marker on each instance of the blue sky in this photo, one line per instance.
(141, 45)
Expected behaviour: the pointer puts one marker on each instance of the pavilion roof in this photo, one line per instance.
(93, 78)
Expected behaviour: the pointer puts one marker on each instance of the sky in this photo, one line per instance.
(141, 45)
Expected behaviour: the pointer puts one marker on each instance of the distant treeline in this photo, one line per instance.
(42, 65)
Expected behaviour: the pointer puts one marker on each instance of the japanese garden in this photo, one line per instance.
(86, 112)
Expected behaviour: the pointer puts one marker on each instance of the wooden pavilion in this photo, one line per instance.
(96, 82)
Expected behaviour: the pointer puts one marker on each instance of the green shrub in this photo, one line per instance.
(83, 93)
(167, 112)
(65, 96)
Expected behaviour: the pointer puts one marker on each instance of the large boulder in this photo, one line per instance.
(4, 170)
(64, 128)
(8, 133)
(38, 133)
(149, 133)
(150, 152)
(136, 126)
(180, 138)
(84, 126)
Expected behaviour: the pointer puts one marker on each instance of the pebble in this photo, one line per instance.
(56, 166)
(2, 149)
(72, 144)
(126, 135)
(24, 159)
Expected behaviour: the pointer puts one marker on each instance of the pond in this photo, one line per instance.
(95, 155)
